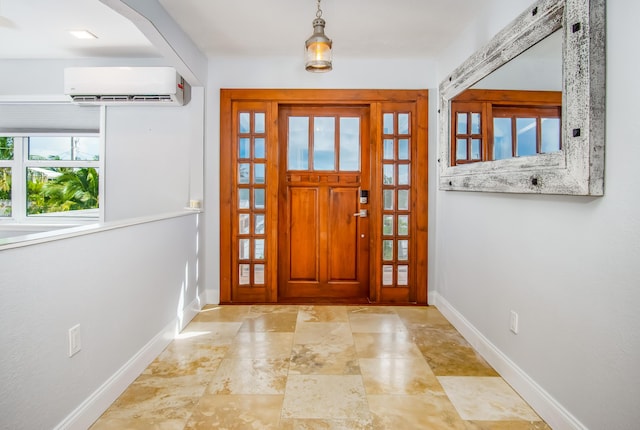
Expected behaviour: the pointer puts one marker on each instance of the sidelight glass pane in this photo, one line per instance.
(324, 143)
(350, 144)
(387, 250)
(403, 200)
(243, 224)
(387, 225)
(243, 173)
(258, 274)
(462, 123)
(403, 225)
(245, 122)
(475, 149)
(403, 174)
(244, 148)
(387, 274)
(298, 145)
(244, 249)
(243, 274)
(475, 123)
(388, 149)
(243, 198)
(502, 142)
(258, 198)
(403, 275)
(259, 122)
(461, 149)
(387, 200)
(388, 174)
(525, 136)
(403, 149)
(550, 134)
(403, 123)
(387, 123)
(259, 227)
(259, 249)
(258, 174)
(258, 148)
(403, 250)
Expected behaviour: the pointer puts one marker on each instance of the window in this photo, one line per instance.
(499, 124)
(49, 175)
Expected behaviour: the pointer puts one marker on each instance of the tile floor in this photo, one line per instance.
(319, 367)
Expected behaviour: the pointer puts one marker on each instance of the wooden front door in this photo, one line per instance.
(324, 226)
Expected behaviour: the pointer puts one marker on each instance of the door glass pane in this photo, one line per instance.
(388, 174)
(258, 174)
(259, 227)
(259, 249)
(475, 149)
(461, 149)
(243, 274)
(387, 275)
(350, 144)
(403, 250)
(258, 200)
(403, 149)
(243, 225)
(243, 173)
(462, 123)
(403, 174)
(403, 200)
(475, 123)
(525, 136)
(387, 250)
(244, 149)
(502, 138)
(258, 274)
(550, 134)
(403, 123)
(388, 149)
(403, 225)
(387, 200)
(387, 225)
(324, 140)
(387, 123)
(403, 275)
(245, 122)
(244, 249)
(258, 147)
(298, 146)
(243, 198)
(259, 122)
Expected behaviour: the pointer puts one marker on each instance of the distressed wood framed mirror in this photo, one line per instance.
(574, 164)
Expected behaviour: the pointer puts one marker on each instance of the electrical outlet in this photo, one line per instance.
(74, 340)
(513, 322)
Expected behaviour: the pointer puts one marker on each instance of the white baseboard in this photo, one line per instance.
(92, 407)
(541, 401)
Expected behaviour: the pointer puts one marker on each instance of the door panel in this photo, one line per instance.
(325, 252)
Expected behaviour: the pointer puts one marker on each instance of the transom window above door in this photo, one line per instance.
(324, 143)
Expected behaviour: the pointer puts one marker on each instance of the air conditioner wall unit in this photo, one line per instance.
(115, 86)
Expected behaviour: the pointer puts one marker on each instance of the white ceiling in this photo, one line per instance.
(367, 28)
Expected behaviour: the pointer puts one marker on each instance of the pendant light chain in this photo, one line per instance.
(319, 12)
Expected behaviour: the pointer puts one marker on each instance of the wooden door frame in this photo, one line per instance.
(270, 100)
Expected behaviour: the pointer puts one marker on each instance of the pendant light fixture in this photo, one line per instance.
(318, 47)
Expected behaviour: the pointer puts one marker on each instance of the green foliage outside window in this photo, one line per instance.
(73, 189)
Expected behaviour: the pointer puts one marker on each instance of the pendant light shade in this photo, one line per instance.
(318, 47)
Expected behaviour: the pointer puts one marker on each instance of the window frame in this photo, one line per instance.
(19, 166)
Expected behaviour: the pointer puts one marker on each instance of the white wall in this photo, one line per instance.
(286, 72)
(125, 287)
(567, 265)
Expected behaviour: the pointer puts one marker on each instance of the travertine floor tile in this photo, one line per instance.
(414, 412)
(212, 313)
(323, 333)
(236, 412)
(486, 399)
(399, 376)
(375, 323)
(261, 345)
(386, 345)
(276, 322)
(250, 376)
(324, 359)
(322, 314)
